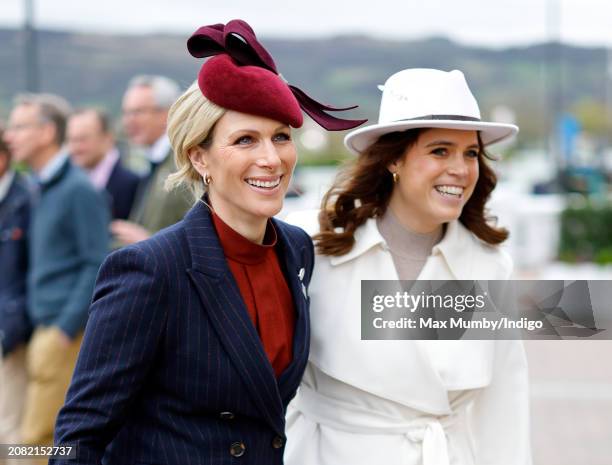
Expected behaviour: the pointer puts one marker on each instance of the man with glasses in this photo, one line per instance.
(67, 242)
(145, 110)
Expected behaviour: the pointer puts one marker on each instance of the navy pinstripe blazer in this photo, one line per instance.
(172, 370)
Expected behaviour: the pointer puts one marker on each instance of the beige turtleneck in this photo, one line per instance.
(408, 248)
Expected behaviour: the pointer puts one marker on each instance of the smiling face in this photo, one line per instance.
(437, 176)
(249, 160)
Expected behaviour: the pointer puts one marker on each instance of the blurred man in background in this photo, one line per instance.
(14, 323)
(92, 147)
(67, 242)
(145, 110)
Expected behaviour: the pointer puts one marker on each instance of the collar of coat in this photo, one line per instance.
(457, 247)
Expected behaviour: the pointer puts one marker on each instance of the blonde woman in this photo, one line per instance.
(198, 337)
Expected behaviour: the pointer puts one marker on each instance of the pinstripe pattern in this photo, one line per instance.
(169, 345)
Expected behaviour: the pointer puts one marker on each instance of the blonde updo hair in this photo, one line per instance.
(191, 120)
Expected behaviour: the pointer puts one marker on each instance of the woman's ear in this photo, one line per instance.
(197, 156)
(395, 165)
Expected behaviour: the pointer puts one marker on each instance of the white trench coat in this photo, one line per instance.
(405, 402)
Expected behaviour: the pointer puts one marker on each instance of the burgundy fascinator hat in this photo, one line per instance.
(242, 76)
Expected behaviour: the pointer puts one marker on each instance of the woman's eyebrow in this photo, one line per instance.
(254, 131)
(242, 131)
(449, 144)
(440, 142)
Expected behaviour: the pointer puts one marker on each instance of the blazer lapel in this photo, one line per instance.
(228, 315)
(295, 270)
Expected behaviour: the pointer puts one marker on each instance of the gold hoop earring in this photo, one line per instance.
(395, 177)
(207, 179)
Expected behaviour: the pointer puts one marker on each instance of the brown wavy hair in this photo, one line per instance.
(362, 190)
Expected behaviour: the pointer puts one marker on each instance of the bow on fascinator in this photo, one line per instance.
(237, 39)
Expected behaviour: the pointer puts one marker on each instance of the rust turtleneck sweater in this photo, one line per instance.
(263, 288)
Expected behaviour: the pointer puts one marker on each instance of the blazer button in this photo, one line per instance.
(226, 416)
(278, 442)
(237, 449)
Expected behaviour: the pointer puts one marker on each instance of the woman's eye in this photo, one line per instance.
(472, 153)
(243, 140)
(441, 151)
(282, 137)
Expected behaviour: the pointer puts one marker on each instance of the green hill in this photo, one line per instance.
(534, 81)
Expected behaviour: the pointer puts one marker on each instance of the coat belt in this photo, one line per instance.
(344, 416)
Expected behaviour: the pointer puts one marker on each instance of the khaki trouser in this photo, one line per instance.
(50, 365)
(13, 382)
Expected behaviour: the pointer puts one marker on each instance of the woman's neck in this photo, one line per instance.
(250, 227)
(411, 221)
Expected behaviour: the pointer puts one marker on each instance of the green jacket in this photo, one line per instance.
(155, 208)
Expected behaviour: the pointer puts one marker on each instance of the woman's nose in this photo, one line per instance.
(457, 165)
(268, 156)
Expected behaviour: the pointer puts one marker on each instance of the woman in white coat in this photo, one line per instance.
(411, 206)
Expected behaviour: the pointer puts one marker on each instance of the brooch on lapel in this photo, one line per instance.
(301, 274)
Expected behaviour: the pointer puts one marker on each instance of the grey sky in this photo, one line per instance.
(486, 22)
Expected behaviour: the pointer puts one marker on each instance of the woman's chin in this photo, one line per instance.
(447, 215)
(266, 209)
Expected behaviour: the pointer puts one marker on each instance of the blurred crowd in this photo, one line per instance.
(59, 218)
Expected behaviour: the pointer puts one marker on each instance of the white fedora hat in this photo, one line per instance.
(427, 98)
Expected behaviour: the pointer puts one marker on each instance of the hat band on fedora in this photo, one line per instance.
(442, 117)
